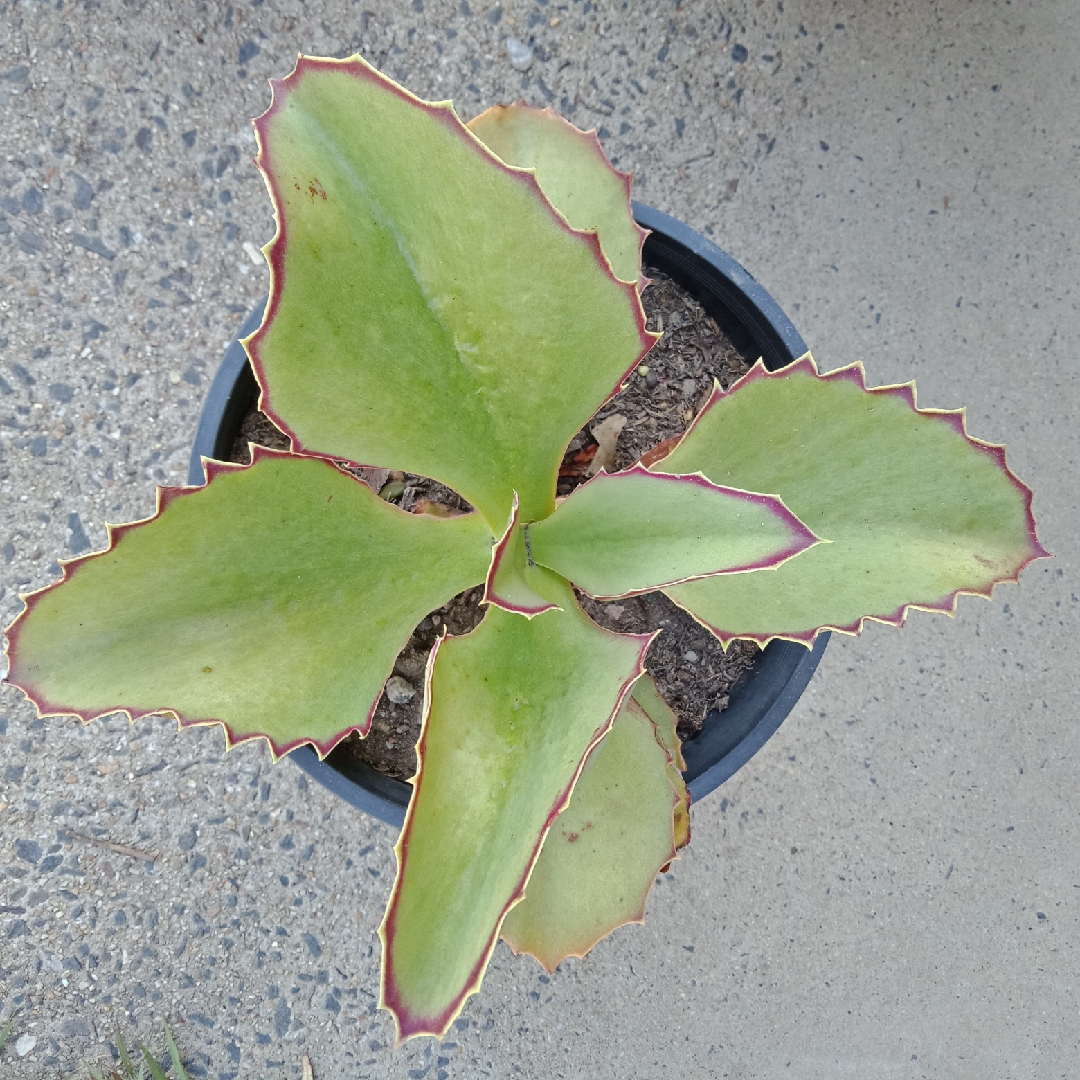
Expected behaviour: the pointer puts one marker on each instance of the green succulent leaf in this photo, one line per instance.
(914, 509)
(573, 172)
(273, 601)
(603, 852)
(429, 309)
(511, 712)
(635, 531)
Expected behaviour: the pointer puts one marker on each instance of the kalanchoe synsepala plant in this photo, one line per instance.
(457, 301)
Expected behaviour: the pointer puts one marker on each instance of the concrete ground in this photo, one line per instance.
(891, 888)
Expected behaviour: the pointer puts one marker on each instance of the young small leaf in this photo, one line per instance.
(664, 721)
(662, 715)
(682, 806)
(915, 510)
(513, 578)
(634, 531)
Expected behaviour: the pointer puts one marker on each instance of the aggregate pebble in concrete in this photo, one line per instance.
(891, 887)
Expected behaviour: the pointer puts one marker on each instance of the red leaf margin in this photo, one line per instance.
(956, 419)
(803, 537)
(390, 999)
(638, 918)
(593, 139)
(164, 497)
(274, 251)
(490, 595)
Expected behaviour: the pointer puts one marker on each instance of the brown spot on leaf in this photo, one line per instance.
(207, 670)
(315, 188)
(572, 838)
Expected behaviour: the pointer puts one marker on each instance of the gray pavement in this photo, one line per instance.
(892, 887)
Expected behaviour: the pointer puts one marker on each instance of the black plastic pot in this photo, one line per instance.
(764, 696)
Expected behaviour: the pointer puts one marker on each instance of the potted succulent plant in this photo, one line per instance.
(760, 698)
(457, 302)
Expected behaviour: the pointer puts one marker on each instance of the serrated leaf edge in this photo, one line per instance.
(956, 419)
(593, 140)
(274, 250)
(677, 759)
(408, 1026)
(639, 918)
(164, 496)
(676, 768)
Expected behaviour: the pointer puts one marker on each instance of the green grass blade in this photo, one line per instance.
(174, 1054)
(125, 1058)
(156, 1072)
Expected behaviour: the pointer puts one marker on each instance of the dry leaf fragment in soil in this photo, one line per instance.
(577, 462)
(606, 434)
(374, 478)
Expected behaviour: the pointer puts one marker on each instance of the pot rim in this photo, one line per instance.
(762, 698)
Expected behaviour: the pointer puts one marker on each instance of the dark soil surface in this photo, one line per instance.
(677, 380)
(257, 427)
(691, 670)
